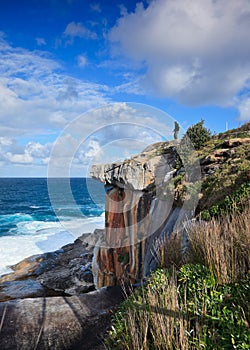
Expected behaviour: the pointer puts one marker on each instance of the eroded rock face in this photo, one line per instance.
(140, 203)
(140, 173)
(67, 271)
(58, 323)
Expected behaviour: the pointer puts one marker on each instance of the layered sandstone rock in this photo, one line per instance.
(140, 207)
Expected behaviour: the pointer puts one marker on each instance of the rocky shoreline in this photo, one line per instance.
(64, 272)
(49, 301)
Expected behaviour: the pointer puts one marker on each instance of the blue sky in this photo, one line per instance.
(62, 58)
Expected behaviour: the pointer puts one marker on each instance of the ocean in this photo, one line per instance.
(35, 218)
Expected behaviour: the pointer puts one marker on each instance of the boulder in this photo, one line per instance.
(58, 323)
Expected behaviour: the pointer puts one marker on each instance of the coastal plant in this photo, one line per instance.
(234, 202)
(152, 318)
(222, 245)
(198, 134)
(184, 309)
(198, 302)
(218, 314)
(170, 251)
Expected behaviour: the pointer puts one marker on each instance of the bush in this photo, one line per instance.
(198, 135)
(195, 138)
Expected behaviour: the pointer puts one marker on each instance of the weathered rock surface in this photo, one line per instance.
(141, 172)
(236, 142)
(58, 323)
(140, 205)
(27, 288)
(67, 271)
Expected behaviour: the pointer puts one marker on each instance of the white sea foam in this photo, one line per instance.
(18, 217)
(36, 237)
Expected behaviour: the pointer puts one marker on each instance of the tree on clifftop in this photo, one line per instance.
(198, 134)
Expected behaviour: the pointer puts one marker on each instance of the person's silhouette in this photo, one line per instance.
(176, 130)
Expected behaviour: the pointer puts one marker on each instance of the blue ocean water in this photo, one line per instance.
(31, 221)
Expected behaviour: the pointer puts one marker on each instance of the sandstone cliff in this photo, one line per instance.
(153, 194)
(142, 205)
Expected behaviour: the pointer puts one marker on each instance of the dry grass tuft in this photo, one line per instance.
(171, 251)
(222, 245)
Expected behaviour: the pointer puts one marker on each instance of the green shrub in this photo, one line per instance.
(198, 135)
(183, 310)
(232, 203)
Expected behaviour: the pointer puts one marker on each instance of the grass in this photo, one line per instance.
(199, 300)
(222, 245)
(230, 174)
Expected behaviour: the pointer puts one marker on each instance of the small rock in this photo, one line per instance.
(21, 289)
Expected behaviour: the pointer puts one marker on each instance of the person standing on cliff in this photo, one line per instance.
(176, 130)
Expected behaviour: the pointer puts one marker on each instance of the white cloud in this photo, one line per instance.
(5, 141)
(40, 41)
(36, 96)
(74, 30)
(93, 148)
(36, 149)
(24, 158)
(244, 109)
(194, 51)
(82, 60)
(31, 153)
(88, 151)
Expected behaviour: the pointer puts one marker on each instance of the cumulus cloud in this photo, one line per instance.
(36, 95)
(31, 153)
(194, 51)
(244, 109)
(74, 30)
(36, 149)
(24, 158)
(5, 141)
(89, 150)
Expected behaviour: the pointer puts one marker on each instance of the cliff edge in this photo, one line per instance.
(153, 194)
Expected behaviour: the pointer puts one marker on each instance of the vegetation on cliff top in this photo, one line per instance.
(225, 168)
(200, 299)
(225, 160)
